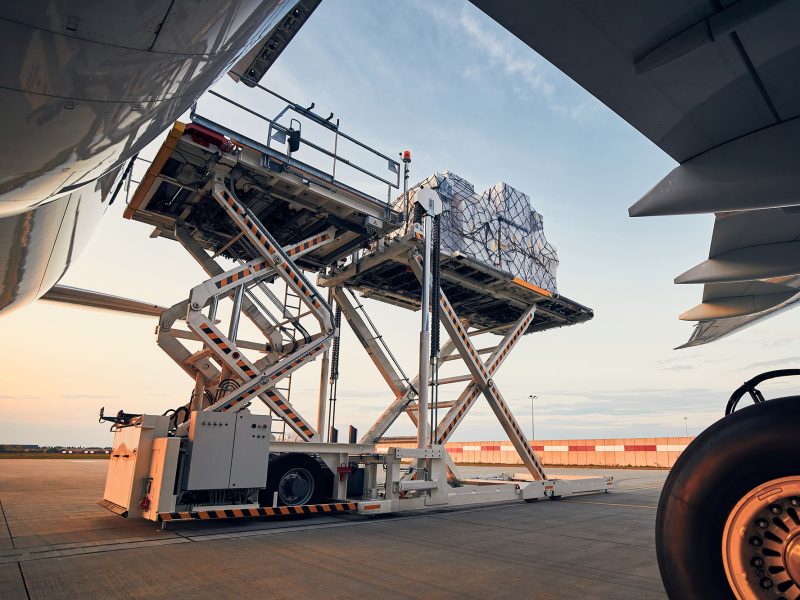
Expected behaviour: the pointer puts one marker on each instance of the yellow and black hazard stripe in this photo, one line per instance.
(474, 392)
(511, 343)
(249, 224)
(239, 398)
(262, 238)
(246, 368)
(289, 413)
(523, 441)
(260, 266)
(295, 277)
(462, 334)
(309, 243)
(241, 274)
(462, 411)
(215, 337)
(252, 513)
(447, 308)
(297, 361)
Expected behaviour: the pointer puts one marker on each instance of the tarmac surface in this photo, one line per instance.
(55, 542)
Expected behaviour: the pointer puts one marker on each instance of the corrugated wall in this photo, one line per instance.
(618, 452)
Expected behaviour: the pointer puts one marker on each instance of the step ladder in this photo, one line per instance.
(292, 309)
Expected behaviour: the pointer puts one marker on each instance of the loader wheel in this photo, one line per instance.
(728, 523)
(297, 478)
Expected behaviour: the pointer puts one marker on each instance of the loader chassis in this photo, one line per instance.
(260, 222)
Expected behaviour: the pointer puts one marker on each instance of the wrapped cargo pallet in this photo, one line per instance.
(498, 227)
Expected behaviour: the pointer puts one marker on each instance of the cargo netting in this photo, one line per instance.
(498, 227)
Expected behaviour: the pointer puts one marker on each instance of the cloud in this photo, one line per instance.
(19, 397)
(501, 52)
(774, 363)
(578, 112)
(615, 403)
(526, 73)
(498, 47)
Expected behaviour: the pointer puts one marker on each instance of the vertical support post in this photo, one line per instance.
(323, 393)
(370, 481)
(424, 337)
(322, 399)
(431, 205)
(335, 150)
(481, 375)
(199, 391)
(233, 330)
(212, 309)
(341, 484)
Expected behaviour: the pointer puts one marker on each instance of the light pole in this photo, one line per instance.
(686, 425)
(533, 423)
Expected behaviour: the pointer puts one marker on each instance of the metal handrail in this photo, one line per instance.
(393, 165)
(320, 121)
(376, 335)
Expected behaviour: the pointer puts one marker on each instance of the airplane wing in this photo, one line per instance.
(751, 273)
(713, 84)
(92, 299)
(253, 65)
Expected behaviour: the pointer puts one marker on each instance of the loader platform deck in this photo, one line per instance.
(298, 200)
(483, 295)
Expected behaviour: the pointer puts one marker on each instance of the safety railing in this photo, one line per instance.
(289, 139)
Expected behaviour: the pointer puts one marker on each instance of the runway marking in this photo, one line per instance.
(24, 581)
(636, 489)
(77, 549)
(8, 528)
(612, 504)
(46, 553)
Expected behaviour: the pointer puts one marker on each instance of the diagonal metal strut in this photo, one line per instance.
(482, 377)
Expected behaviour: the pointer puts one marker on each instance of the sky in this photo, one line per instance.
(464, 95)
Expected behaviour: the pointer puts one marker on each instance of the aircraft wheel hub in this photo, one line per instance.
(761, 542)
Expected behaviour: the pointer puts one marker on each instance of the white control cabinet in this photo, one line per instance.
(129, 463)
(228, 450)
(250, 451)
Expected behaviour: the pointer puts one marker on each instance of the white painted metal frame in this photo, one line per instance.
(256, 379)
(480, 374)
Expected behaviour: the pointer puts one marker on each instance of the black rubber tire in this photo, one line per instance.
(750, 447)
(282, 464)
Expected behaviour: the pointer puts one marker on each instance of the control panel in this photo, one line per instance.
(250, 451)
(228, 450)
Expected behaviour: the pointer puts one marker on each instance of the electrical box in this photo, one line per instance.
(250, 451)
(228, 450)
(163, 470)
(211, 443)
(129, 464)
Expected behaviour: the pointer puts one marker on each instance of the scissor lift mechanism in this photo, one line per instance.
(192, 193)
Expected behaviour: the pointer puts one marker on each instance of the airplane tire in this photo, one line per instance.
(729, 469)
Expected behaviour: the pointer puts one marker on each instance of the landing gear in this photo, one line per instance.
(728, 523)
(298, 479)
